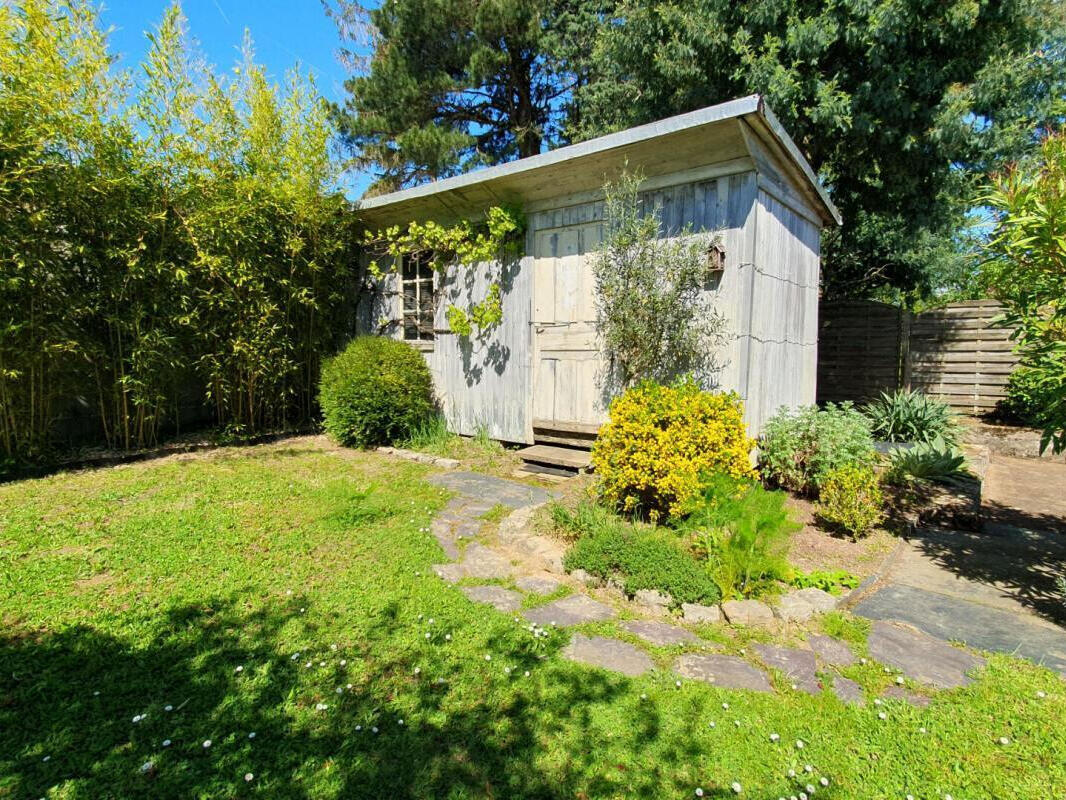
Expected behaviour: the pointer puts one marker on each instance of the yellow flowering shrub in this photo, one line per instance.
(661, 439)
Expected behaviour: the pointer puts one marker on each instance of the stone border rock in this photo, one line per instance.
(422, 458)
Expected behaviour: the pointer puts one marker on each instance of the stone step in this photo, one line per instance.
(555, 456)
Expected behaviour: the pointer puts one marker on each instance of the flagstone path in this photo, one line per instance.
(515, 554)
(995, 589)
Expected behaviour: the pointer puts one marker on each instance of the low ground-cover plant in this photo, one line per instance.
(661, 439)
(800, 448)
(911, 416)
(640, 556)
(851, 499)
(741, 530)
(376, 391)
(938, 461)
(833, 581)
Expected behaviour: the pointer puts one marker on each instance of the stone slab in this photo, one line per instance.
(483, 562)
(747, 612)
(793, 608)
(696, 613)
(725, 672)
(660, 634)
(831, 651)
(537, 585)
(599, 651)
(798, 666)
(975, 624)
(653, 600)
(489, 489)
(821, 601)
(572, 610)
(442, 532)
(848, 691)
(920, 656)
(496, 596)
(452, 573)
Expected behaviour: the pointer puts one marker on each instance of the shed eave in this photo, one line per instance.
(504, 182)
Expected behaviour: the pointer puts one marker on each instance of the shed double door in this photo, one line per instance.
(567, 365)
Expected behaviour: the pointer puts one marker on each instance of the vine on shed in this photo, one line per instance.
(497, 238)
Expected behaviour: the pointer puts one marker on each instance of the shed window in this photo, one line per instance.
(418, 301)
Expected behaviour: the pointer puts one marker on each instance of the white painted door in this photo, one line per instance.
(567, 365)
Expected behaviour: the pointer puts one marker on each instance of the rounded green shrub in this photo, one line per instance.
(851, 499)
(376, 391)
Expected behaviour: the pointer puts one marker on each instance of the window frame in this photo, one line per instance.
(423, 285)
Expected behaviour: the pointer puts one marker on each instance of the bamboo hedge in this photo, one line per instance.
(167, 235)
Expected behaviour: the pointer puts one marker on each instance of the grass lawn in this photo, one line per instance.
(285, 591)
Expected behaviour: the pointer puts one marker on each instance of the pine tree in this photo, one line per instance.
(455, 84)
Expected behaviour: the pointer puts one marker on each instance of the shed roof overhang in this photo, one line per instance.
(712, 135)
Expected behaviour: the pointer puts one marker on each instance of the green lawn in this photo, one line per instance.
(210, 584)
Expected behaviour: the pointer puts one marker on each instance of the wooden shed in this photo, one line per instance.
(729, 168)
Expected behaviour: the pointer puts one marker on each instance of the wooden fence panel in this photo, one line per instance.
(859, 347)
(958, 355)
(955, 353)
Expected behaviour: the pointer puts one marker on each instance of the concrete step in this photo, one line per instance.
(566, 457)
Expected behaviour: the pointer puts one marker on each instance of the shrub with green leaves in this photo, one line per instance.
(800, 448)
(742, 530)
(851, 499)
(938, 461)
(1034, 391)
(911, 416)
(642, 557)
(376, 391)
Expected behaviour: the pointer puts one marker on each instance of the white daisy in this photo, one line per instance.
(166, 743)
(248, 777)
(736, 787)
(207, 743)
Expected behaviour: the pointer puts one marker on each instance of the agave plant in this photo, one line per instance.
(939, 461)
(911, 416)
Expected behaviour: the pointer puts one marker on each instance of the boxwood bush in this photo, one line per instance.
(376, 391)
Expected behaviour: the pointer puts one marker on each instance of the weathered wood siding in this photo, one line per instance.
(542, 362)
(783, 360)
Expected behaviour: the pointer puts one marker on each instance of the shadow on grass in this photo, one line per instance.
(465, 742)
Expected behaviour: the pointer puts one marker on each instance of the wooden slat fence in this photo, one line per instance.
(859, 346)
(955, 353)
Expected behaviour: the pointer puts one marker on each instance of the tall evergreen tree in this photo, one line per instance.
(454, 84)
(900, 104)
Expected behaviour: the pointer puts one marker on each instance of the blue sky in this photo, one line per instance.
(284, 32)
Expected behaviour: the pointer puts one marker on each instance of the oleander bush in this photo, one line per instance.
(376, 391)
(659, 442)
(851, 499)
(799, 448)
(911, 416)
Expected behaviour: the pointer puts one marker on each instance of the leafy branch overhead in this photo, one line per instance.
(495, 240)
